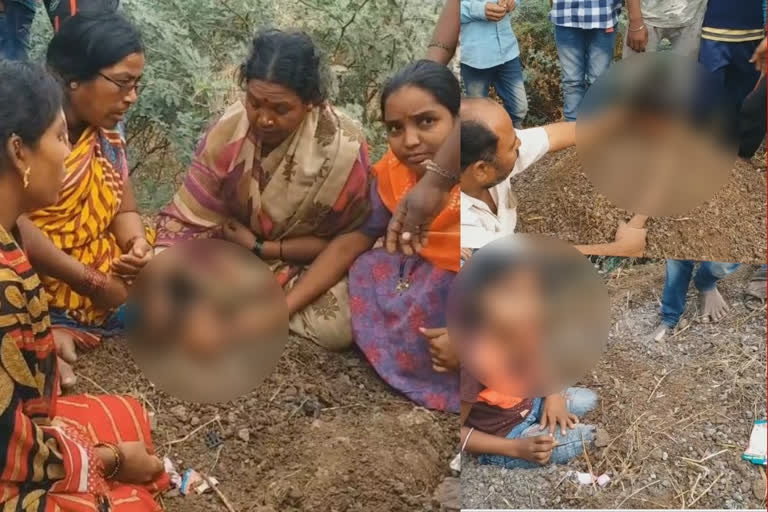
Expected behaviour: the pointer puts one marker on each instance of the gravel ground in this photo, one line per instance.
(678, 413)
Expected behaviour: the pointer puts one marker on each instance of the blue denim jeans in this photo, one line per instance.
(678, 278)
(584, 55)
(580, 402)
(15, 26)
(508, 80)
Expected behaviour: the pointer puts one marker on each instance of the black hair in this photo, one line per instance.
(289, 59)
(478, 142)
(430, 76)
(30, 100)
(91, 41)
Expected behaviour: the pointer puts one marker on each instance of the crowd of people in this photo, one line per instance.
(288, 176)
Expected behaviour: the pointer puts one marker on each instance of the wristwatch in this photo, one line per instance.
(258, 247)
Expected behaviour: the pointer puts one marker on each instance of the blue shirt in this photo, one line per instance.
(586, 14)
(485, 44)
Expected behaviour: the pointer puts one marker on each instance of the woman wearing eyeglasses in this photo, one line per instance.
(93, 238)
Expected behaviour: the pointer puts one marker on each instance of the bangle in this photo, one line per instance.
(431, 166)
(118, 459)
(442, 46)
(95, 281)
(281, 249)
(641, 27)
(258, 247)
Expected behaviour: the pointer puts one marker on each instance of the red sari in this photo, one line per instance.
(47, 460)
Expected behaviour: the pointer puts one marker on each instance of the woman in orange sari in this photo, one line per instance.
(398, 301)
(84, 453)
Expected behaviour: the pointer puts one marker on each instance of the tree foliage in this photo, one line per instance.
(195, 46)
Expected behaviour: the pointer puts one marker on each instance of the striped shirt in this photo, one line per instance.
(585, 14)
(734, 21)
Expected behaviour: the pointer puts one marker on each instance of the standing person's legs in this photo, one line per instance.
(571, 52)
(510, 86)
(686, 40)
(678, 277)
(752, 121)
(477, 82)
(15, 37)
(600, 45)
(713, 55)
(713, 305)
(742, 76)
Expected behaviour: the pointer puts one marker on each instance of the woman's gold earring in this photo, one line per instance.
(73, 85)
(26, 176)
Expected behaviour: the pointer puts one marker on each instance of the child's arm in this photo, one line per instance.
(561, 135)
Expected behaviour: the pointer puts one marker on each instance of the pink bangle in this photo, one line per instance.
(95, 281)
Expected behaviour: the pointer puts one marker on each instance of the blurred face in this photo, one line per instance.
(507, 348)
(104, 101)
(417, 125)
(274, 111)
(46, 164)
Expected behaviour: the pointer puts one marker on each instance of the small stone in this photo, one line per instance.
(180, 412)
(664, 456)
(758, 488)
(244, 434)
(657, 453)
(195, 421)
(602, 438)
(295, 493)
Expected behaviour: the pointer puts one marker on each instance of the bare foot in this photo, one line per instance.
(661, 332)
(713, 306)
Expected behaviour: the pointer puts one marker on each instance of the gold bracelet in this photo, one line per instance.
(118, 459)
(431, 166)
(636, 29)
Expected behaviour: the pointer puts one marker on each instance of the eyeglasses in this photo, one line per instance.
(125, 87)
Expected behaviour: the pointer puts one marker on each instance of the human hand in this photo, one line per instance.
(409, 227)
(444, 358)
(138, 465)
(466, 253)
(66, 356)
(239, 234)
(509, 5)
(760, 56)
(135, 258)
(533, 449)
(555, 413)
(494, 11)
(637, 39)
(630, 238)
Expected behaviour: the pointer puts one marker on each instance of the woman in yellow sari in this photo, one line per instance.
(92, 240)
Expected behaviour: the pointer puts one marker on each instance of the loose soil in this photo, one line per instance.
(678, 413)
(556, 198)
(322, 433)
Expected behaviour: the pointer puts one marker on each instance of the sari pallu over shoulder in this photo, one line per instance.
(394, 180)
(314, 183)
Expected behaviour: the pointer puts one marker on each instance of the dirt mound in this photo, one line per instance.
(322, 433)
(557, 199)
